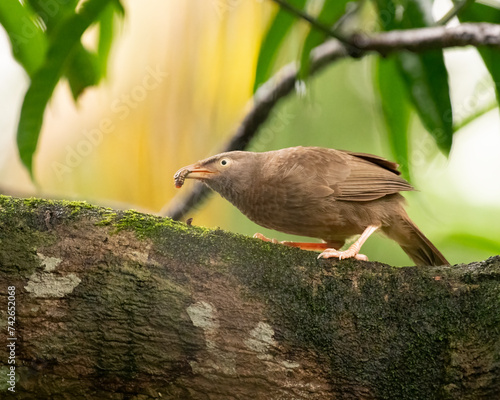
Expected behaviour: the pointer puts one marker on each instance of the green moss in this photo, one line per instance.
(19, 241)
(146, 225)
(107, 219)
(169, 235)
(35, 222)
(165, 232)
(35, 205)
(197, 243)
(74, 207)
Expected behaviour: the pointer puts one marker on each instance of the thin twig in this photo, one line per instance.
(351, 10)
(283, 83)
(476, 114)
(453, 12)
(313, 21)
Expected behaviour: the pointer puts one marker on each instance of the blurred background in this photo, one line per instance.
(180, 80)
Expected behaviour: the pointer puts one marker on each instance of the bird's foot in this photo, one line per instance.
(353, 250)
(349, 253)
(300, 245)
(264, 238)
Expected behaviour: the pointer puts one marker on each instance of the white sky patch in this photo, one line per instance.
(474, 165)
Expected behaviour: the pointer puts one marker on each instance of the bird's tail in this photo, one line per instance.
(413, 242)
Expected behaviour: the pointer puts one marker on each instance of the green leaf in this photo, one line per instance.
(491, 59)
(63, 42)
(468, 240)
(395, 109)
(51, 12)
(119, 8)
(86, 68)
(329, 14)
(387, 14)
(417, 14)
(106, 28)
(426, 81)
(477, 12)
(275, 35)
(426, 78)
(82, 70)
(425, 75)
(28, 40)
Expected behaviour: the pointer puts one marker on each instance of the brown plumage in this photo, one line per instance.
(320, 193)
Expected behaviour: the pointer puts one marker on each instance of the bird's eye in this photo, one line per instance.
(223, 162)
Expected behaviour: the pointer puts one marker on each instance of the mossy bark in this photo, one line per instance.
(122, 305)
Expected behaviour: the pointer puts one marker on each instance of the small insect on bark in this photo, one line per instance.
(180, 176)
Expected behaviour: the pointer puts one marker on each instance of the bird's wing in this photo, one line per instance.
(380, 161)
(294, 174)
(342, 175)
(370, 178)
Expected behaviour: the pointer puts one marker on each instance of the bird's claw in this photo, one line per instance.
(265, 239)
(349, 253)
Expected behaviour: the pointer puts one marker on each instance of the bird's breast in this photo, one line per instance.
(290, 210)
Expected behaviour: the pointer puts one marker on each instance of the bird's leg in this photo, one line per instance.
(353, 250)
(300, 245)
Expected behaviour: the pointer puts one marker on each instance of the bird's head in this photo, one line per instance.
(228, 173)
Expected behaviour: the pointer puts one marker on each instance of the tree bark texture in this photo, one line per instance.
(122, 305)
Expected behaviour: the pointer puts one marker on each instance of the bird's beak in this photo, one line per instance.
(193, 171)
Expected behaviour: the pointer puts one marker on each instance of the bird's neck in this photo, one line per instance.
(230, 192)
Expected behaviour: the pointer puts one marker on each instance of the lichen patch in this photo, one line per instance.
(261, 340)
(49, 285)
(204, 316)
(290, 364)
(50, 263)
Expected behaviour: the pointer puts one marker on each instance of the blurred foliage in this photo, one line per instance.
(395, 108)
(46, 40)
(424, 75)
(476, 12)
(274, 38)
(330, 13)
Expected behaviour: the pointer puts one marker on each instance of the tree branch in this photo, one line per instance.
(282, 84)
(437, 37)
(104, 304)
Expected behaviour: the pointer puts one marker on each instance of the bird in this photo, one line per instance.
(317, 192)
